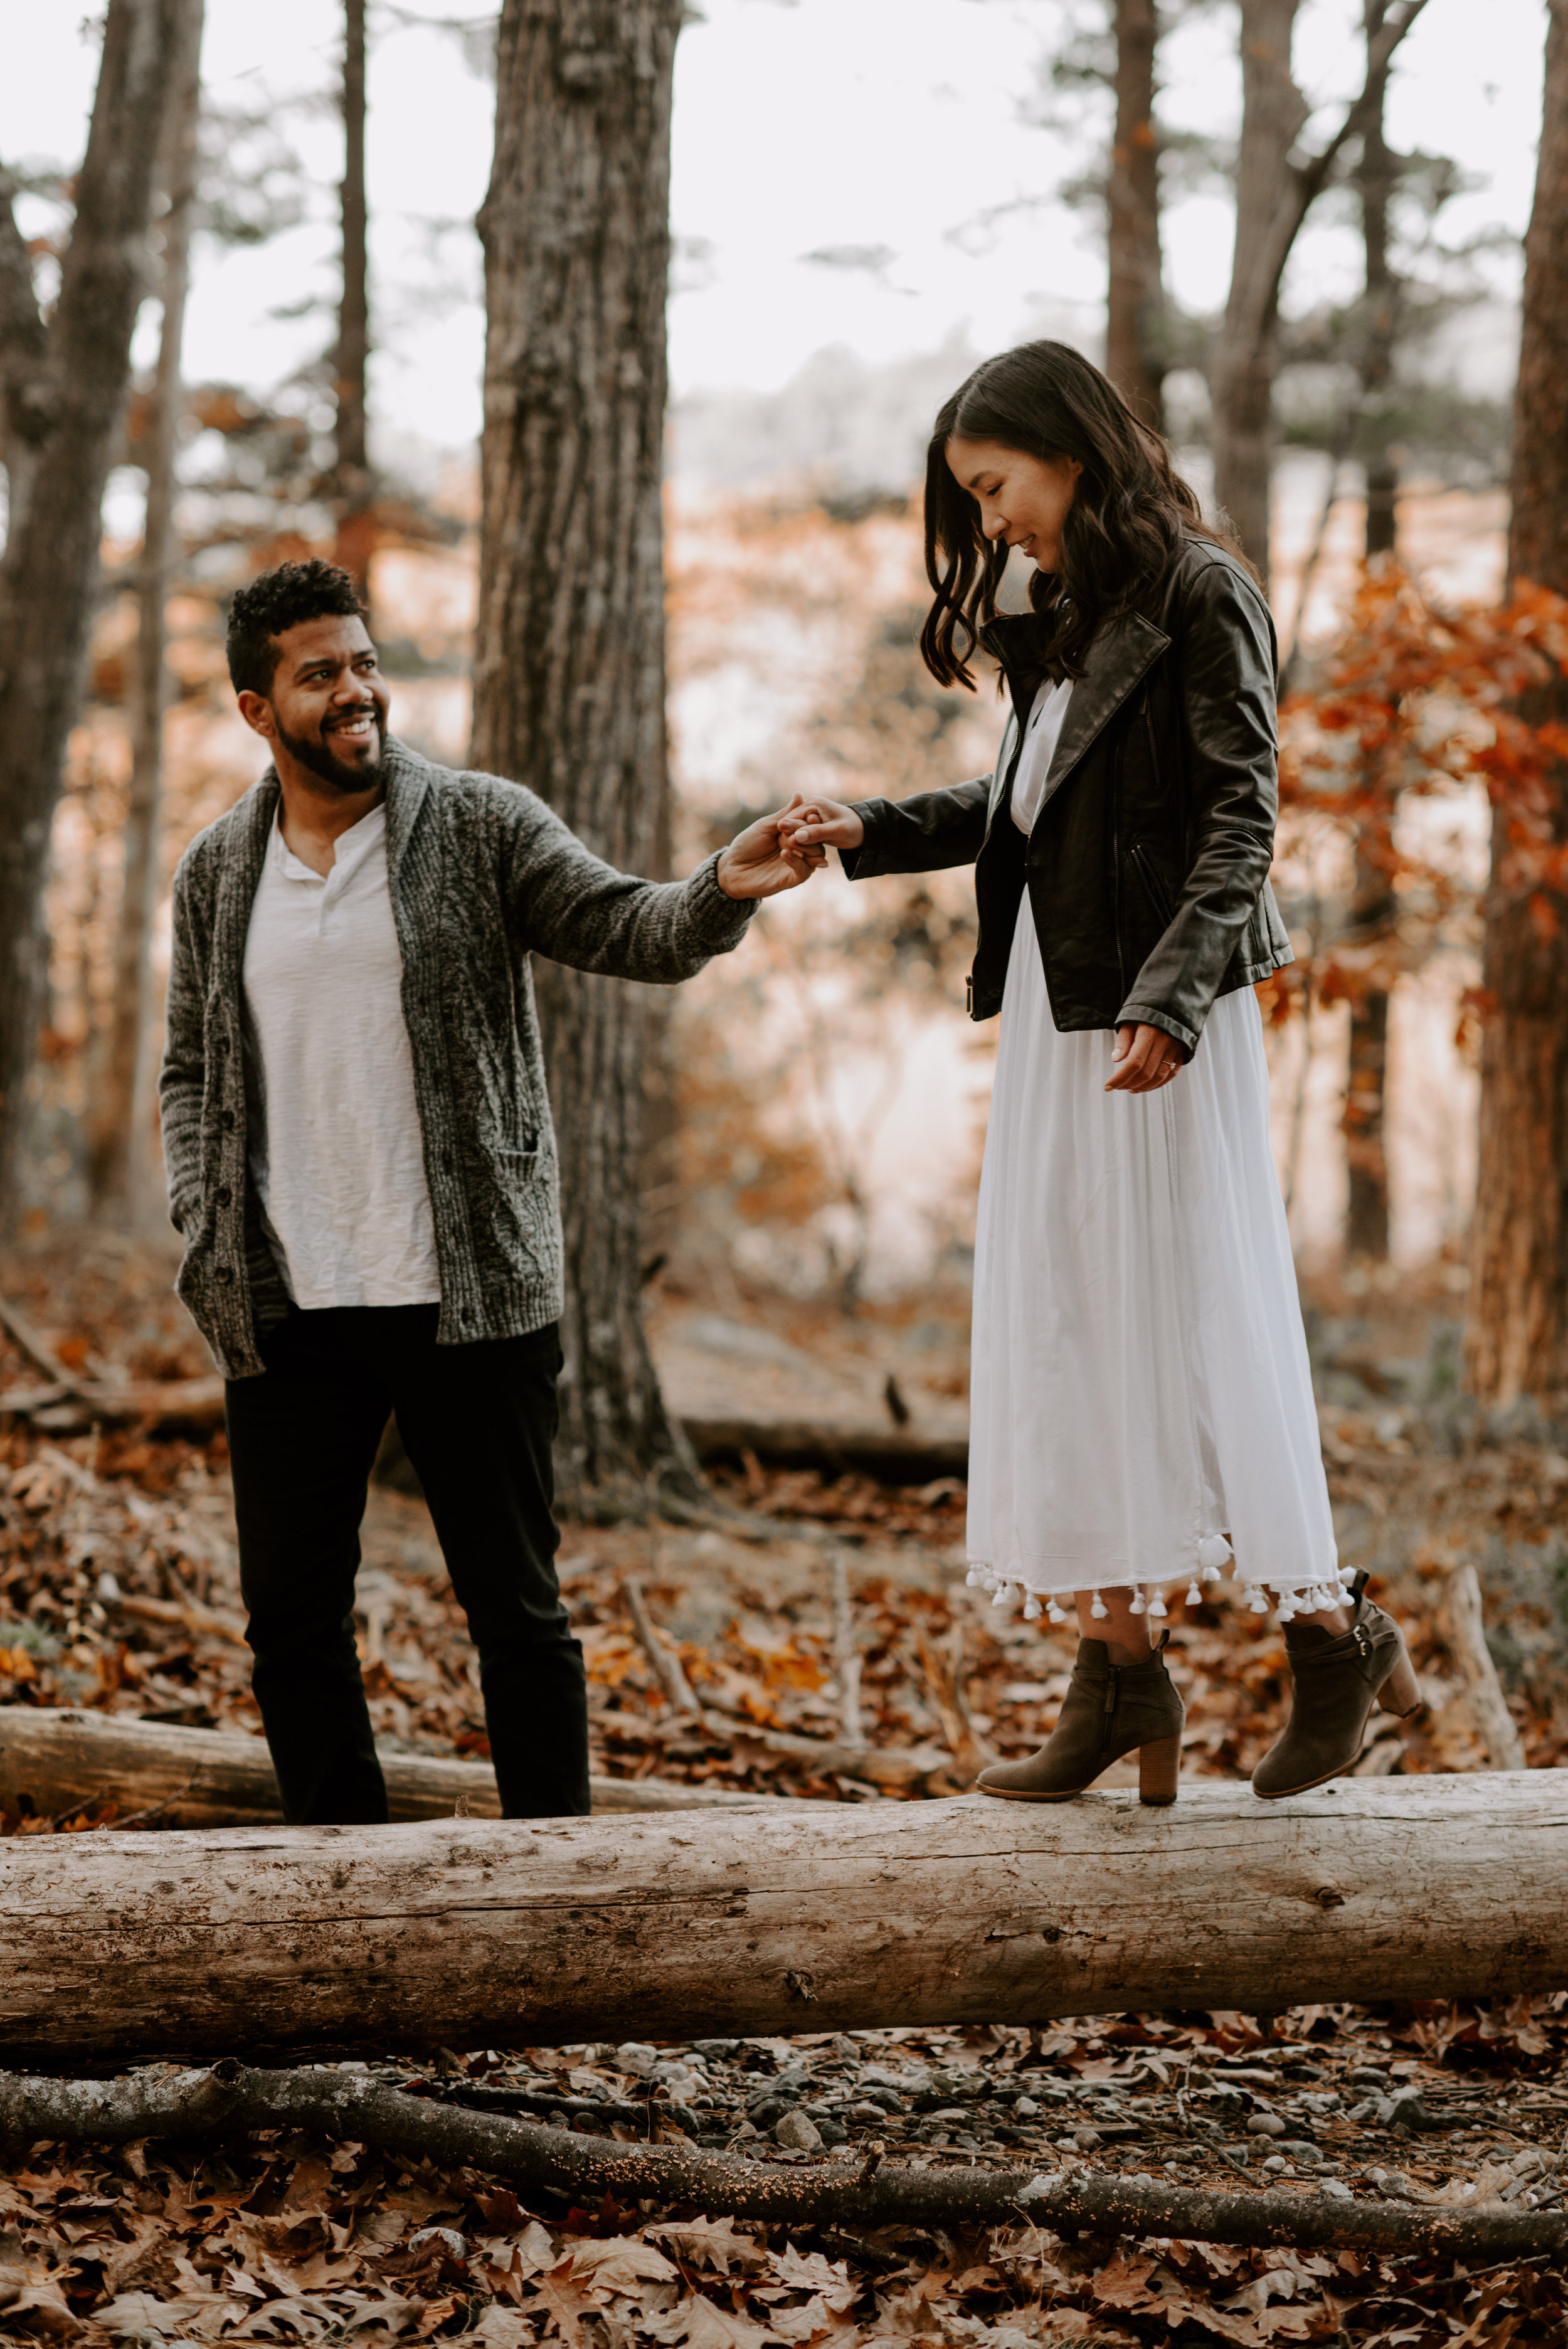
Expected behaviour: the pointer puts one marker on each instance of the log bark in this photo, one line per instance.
(68, 413)
(569, 653)
(1516, 1343)
(476, 1932)
(62, 1760)
(225, 2103)
(1134, 338)
(119, 1121)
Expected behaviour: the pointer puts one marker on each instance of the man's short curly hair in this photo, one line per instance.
(279, 599)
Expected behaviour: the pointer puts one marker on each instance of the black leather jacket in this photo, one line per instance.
(1147, 864)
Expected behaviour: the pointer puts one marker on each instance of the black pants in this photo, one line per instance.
(478, 1423)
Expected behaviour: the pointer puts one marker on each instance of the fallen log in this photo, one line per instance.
(228, 2100)
(479, 1933)
(194, 1407)
(896, 1456)
(62, 1760)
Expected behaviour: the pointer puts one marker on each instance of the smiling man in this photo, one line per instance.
(361, 1164)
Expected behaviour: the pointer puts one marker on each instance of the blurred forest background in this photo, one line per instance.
(814, 1107)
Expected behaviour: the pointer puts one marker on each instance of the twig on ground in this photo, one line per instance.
(665, 1660)
(941, 1668)
(846, 1655)
(1489, 1706)
(229, 2099)
(27, 1341)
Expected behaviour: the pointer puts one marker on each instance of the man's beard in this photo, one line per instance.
(322, 762)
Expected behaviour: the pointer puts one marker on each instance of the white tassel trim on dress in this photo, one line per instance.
(1213, 1552)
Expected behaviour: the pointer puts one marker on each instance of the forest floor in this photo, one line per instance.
(118, 1589)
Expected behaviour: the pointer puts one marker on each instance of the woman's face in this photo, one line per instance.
(1023, 500)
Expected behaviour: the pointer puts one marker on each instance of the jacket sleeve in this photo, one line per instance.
(182, 1080)
(1224, 666)
(567, 904)
(923, 834)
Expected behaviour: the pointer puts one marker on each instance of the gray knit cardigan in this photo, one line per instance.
(481, 876)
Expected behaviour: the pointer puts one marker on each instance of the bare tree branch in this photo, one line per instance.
(863, 2191)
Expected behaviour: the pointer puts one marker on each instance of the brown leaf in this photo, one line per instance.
(712, 2244)
(618, 2263)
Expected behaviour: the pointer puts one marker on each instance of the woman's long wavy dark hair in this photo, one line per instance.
(1123, 530)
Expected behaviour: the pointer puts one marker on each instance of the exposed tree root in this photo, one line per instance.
(861, 2191)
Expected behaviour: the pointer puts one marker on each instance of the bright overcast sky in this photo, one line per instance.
(800, 125)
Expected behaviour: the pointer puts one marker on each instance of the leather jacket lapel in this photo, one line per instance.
(1118, 660)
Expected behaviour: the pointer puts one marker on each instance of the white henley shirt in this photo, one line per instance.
(335, 1147)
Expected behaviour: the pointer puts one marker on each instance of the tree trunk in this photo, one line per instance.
(1241, 378)
(479, 1932)
(120, 1121)
(1372, 911)
(49, 577)
(1274, 195)
(1517, 1339)
(1134, 350)
(356, 519)
(569, 658)
(1376, 176)
(1374, 907)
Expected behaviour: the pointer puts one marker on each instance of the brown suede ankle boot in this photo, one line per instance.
(1336, 1683)
(1108, 1709)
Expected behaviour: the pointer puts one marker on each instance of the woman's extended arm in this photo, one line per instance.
(923, 834)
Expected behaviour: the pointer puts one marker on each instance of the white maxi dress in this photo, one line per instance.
(1141, 1406)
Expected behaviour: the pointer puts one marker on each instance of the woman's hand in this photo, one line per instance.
(767, 858)
(1143, 1059)
(826, 823)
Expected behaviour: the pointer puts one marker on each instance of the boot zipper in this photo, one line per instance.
(1112, 1698)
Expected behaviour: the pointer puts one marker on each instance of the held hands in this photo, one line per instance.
(1143, 1059)
(779, 852)
(767, 858)
(821, 824)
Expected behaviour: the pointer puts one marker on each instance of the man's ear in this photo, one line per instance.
(257, 712)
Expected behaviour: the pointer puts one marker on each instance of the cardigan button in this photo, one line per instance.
(227, 1121)
(225, 1273)
(224, 1194)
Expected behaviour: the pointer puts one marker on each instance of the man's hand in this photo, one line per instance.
(766, 858)
(825, 823)
(1143, 1059)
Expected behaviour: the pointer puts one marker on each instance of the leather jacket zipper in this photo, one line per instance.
(1153, 879)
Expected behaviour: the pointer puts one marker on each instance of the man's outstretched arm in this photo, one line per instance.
(576, 910)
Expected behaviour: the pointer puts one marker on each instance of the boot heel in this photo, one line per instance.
(1402, 1692)
(1159, 1769)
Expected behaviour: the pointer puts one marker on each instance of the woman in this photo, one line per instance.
(1142, 1407)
